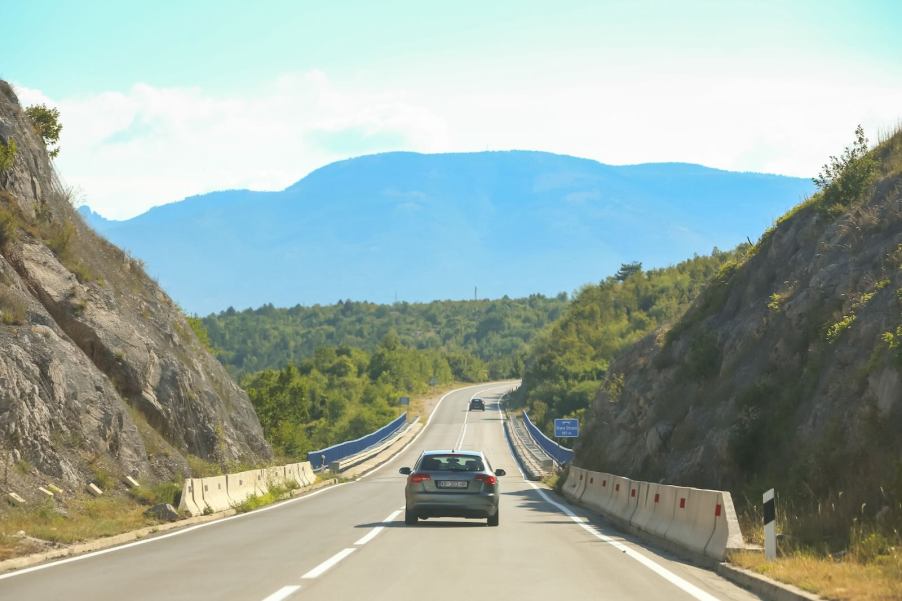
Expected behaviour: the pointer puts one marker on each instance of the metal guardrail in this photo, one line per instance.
(535, 462)
(323, 457)
(561, 455)
(366, 454)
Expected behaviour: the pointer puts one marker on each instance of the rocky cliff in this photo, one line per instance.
(99, 369)
(786, 371)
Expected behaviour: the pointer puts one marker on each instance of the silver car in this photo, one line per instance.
(457, 484)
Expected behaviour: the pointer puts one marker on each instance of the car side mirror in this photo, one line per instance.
(405, 471)
(500, 472)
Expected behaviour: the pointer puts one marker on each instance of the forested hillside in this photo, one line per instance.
(482, 336)
(343, 393)
(568, 361)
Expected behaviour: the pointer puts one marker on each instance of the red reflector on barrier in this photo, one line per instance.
(616, 487)
(682, 503)
(657, 496)
(591, 480)
(717, 510)
(580, 477)
(604, 482)
(633, 493)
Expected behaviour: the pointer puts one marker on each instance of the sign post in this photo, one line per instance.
(770, 522)
(566, 428)
(404, 400)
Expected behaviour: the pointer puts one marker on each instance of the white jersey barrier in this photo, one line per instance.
(698, 520)
(218, 493)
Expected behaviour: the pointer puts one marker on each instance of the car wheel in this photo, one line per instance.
(493, 519)
(410, 518)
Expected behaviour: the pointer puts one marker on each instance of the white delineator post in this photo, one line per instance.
(770, 530)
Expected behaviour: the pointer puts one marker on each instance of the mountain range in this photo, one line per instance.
(417, 227)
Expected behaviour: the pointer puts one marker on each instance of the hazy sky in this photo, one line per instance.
(167, 99)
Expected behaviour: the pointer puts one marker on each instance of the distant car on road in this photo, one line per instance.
(457, 484)
(477, 404)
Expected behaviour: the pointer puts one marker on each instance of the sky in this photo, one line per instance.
(163, 100)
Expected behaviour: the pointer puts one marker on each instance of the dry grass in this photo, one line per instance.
(85, 518)
(877, 580)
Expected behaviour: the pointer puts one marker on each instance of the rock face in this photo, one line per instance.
(99, 369)
(786, 371)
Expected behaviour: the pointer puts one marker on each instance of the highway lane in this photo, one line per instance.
(349, 542)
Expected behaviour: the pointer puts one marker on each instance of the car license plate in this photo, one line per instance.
(451, 483)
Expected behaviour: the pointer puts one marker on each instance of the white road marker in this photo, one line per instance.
(583, 523)
(283, 593)
(328, 564)
(370, 535)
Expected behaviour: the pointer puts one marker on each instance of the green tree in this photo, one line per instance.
(46, 120)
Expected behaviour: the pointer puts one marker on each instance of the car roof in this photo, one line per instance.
(452, 452)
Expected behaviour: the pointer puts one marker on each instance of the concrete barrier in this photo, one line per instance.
(574, 477)
(307, 470)
(576, 481)
(262, 487)
(215, 493)
(189, 503)
(645, 509)
(697, 520)
(293, 475)
(727, 534)
(275, 476)
(693, 519)
(241, 486)
(598, 492)
(619, 503)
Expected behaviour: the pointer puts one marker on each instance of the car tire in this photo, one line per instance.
(492, 520)
(410, 518)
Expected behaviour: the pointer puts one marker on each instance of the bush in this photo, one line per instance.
(12, 309)
(46, 121)
(844, 178)
(7, 154)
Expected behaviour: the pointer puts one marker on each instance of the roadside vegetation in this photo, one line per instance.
(71, 519)
(568, 361)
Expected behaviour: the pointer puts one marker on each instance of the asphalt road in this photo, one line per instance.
(350, 542)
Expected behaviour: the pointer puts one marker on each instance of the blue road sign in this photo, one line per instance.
(566, 428)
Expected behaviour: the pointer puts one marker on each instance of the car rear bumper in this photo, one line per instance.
(448, 505)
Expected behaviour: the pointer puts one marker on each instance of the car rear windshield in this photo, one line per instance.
(452, 463)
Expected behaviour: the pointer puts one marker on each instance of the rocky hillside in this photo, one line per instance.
(787, 370)
(99, 370)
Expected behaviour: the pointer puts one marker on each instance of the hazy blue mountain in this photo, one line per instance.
(421, 227)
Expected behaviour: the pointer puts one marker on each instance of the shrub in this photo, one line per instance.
(12, 308)
(7, 154)
(46, 121)
(8, 225)
(844, 178)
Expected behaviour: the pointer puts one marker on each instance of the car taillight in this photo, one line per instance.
(487, 478)
(418, 477)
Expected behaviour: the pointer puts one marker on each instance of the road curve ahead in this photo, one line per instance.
(350, 542)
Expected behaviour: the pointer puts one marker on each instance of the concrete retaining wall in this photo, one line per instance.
(219, 493)
(700, 521)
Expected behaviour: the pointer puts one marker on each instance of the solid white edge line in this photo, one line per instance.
(649, 563)
(328, 564)
(285, 503)
(165, 536)
(283, 593)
